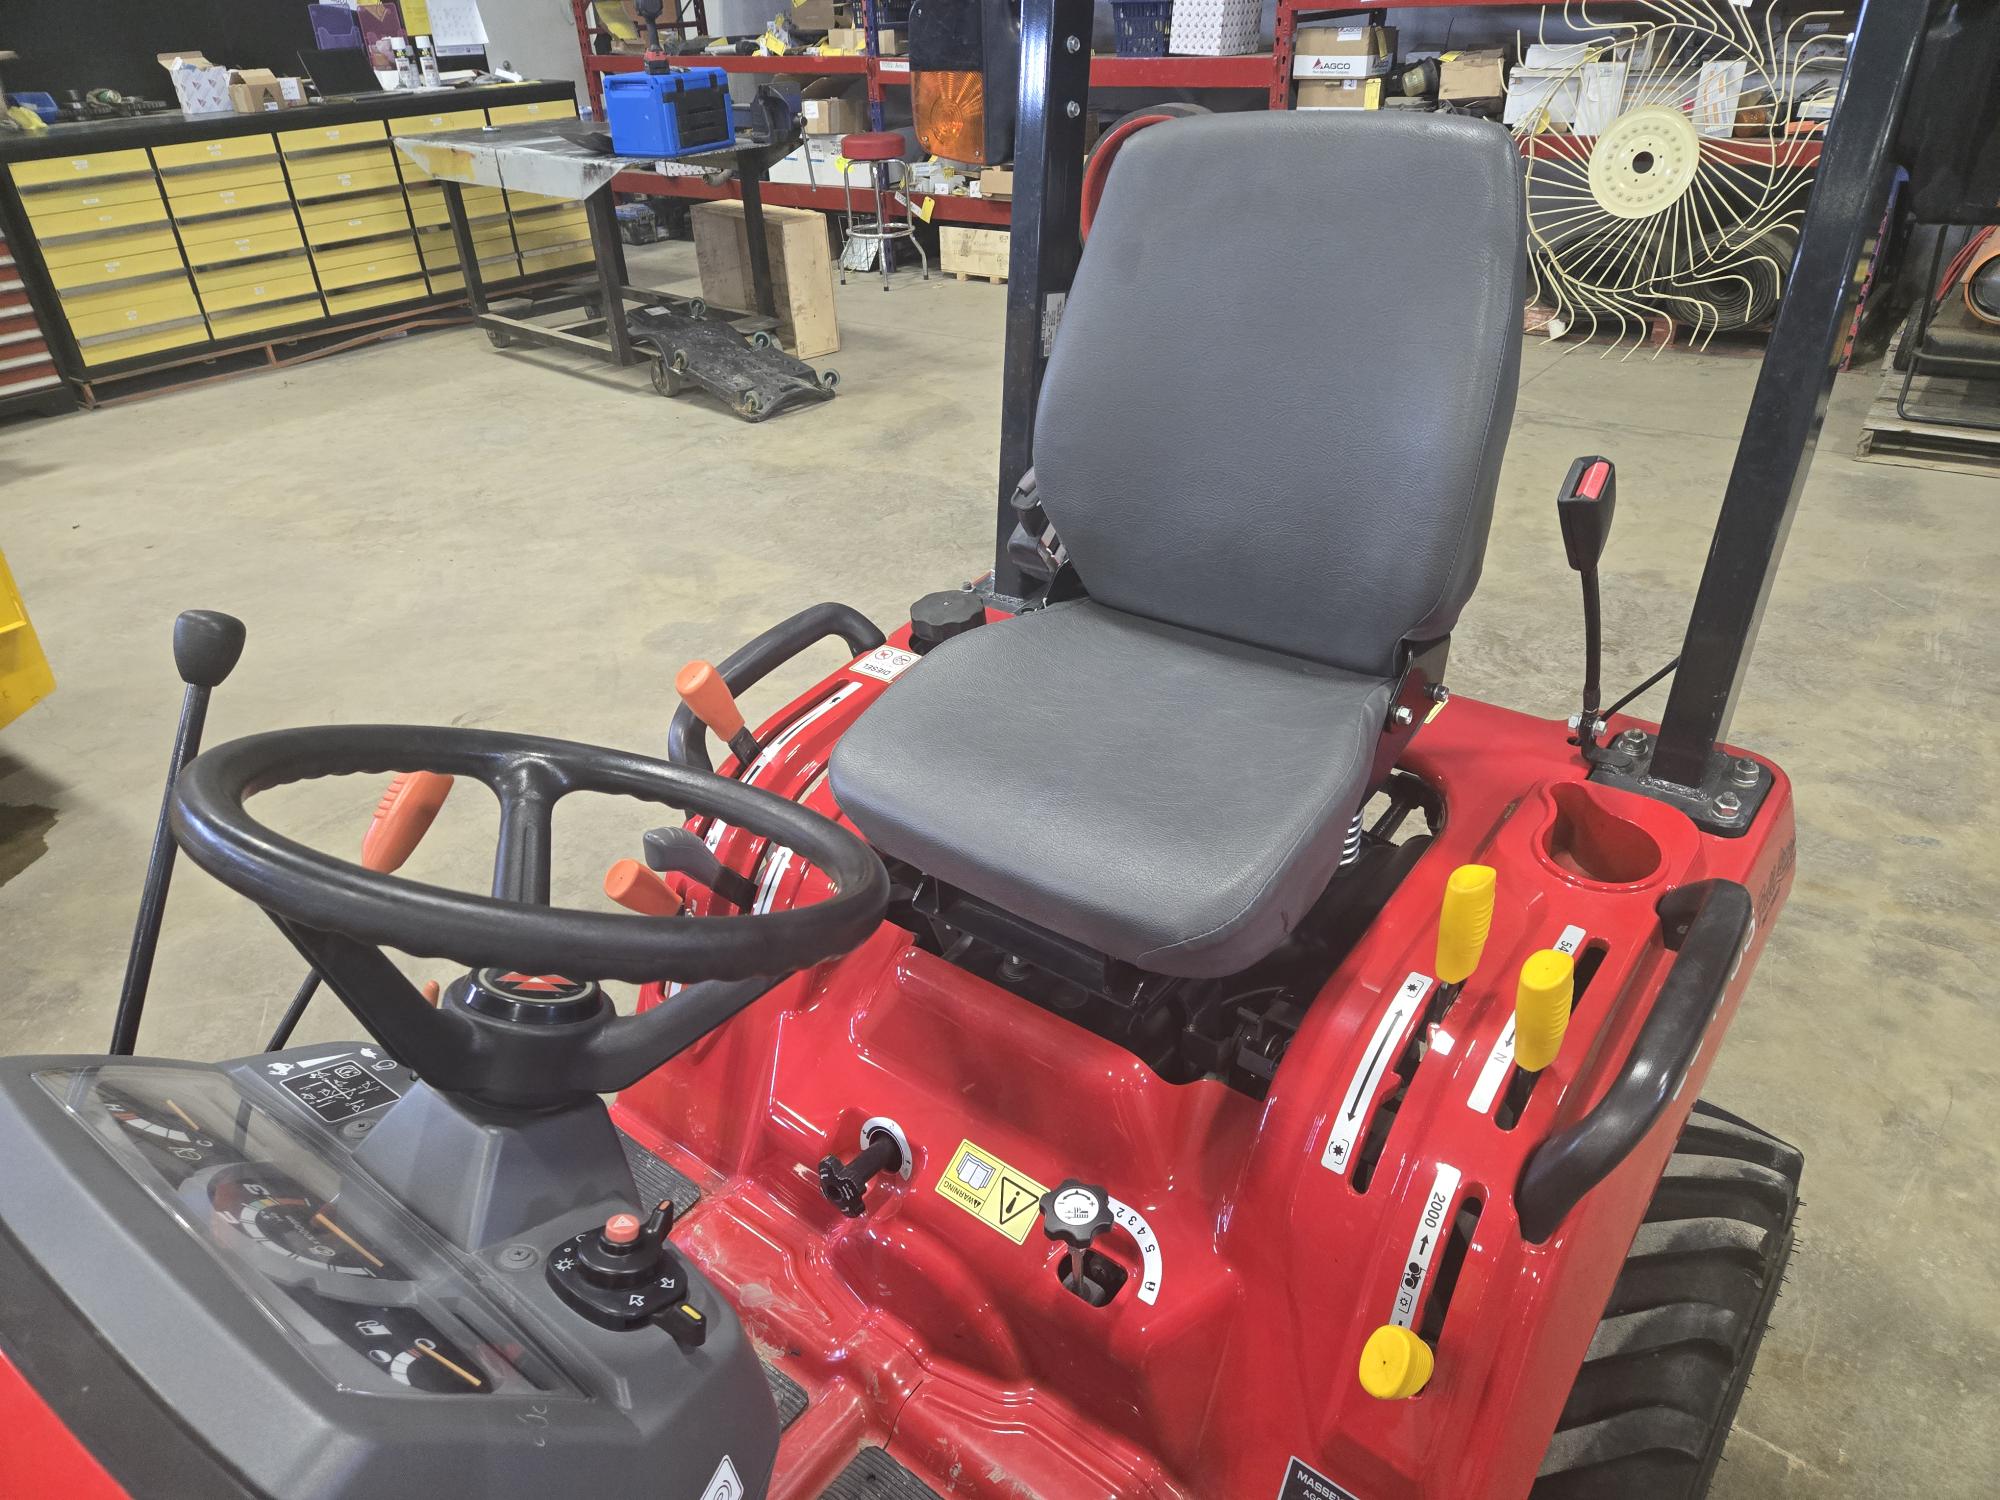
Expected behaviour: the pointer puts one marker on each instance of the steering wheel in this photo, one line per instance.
(529, 1027)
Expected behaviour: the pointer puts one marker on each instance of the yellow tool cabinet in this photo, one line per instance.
(156, 249)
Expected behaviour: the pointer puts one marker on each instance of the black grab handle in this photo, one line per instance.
(1707, 923)
(751, 663)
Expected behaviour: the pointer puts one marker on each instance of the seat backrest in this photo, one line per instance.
(1281, 388)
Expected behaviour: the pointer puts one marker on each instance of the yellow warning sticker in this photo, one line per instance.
(992, 1192)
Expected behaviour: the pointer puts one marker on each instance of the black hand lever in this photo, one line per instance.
(681, 851)
(207, 646)
(1584, 508)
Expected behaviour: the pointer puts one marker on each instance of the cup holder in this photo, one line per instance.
(1588, 841)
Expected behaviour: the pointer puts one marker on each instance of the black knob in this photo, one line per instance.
(845, 1183)
(938, 617)
(207, 646)
(1076, 1213)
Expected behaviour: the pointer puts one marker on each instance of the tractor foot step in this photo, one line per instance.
(873, 1475)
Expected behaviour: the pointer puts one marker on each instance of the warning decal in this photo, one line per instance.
(884, 663)
(1302, 1482)
(992, 1192)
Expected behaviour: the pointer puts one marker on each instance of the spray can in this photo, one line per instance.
(427, 62)
(406, 66)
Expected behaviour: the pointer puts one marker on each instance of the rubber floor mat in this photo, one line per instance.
(788, 1393)
(656, 1180)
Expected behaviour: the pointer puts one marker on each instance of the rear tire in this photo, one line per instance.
(1652, 1406)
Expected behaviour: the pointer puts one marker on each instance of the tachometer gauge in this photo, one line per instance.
(274, 1213)
(169, 1131)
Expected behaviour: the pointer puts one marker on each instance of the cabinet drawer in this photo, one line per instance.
(109, 351)
(163, 307)
(148, 210)
(115, 268)
(548, 239)
(438, 249)
(258, 293)
(527, 203)
(322, 136)
(242, 320)
(447, 281)
(521, 114)
(494, 268)
(206, 153)
(243, 246)
(199, 183)
(270, 268)
(375, 268)
(108, 247)
(348, 159)
(354, 206)
(458, 119)
(364, 250)
(193, 205)
(377, 296)
(365, 180)
(70, 168)
(553, 260)
(104, 194)
(118, 295)
(369, 226)
(239, 226)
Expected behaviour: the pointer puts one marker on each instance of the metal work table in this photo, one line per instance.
(537, 159)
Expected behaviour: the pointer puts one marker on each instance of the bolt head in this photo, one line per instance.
(1072, 109)
(1403, 717)
(1632, 739)
(1729, 804)
(1744, 771)
(1440, 694)
(1073, 44)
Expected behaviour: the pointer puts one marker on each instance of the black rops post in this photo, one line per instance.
(1046, 237)
(1688, 766)
(207, 646)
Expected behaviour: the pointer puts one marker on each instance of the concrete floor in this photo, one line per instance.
(433, 531)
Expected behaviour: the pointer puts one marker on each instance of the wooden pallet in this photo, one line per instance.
(991, 280)
(1889, 438)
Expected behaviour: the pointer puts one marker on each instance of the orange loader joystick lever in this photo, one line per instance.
(705, 693)
(637, 888)
(402, 818)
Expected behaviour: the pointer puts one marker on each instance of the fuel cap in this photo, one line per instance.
(936, 618)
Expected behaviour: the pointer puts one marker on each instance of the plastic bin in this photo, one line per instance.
(1142, 26)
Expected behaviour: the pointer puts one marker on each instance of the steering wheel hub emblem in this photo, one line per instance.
(519, 995)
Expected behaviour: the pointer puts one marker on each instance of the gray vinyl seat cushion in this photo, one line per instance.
(1268, 437)
(1165, 797)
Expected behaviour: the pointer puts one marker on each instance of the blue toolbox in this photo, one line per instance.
(672, 112)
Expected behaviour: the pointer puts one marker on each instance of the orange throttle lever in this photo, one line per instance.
(402, 818)
(637, 888)
(708, 697)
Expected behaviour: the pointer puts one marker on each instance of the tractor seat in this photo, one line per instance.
(1268, 437)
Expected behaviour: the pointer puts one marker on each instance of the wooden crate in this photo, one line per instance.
(801, 270)
(964, 252)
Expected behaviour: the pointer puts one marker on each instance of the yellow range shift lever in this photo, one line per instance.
(1541, 1008)
(1464, 920)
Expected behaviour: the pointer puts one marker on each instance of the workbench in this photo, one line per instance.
(163, 239)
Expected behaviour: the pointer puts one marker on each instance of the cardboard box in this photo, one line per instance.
(1340, 93)
(254, 90)
(834, 106)
(1466, 76)
(819, 15)
(996, 182)
(200, 87)
(853, 40)
(964, 251)
(1215, 28)
(801, 270)
(1344, 51)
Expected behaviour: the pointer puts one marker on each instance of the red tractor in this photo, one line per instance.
(1130, 1031)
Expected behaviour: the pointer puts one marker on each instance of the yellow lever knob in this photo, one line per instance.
(1464, 921)
(1541, 1008)
(1395, 1363)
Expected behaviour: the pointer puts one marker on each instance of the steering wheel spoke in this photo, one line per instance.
(528, 789)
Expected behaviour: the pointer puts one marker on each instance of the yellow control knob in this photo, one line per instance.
(1541, 1008)
(1464, 921)
(1395, 1364)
